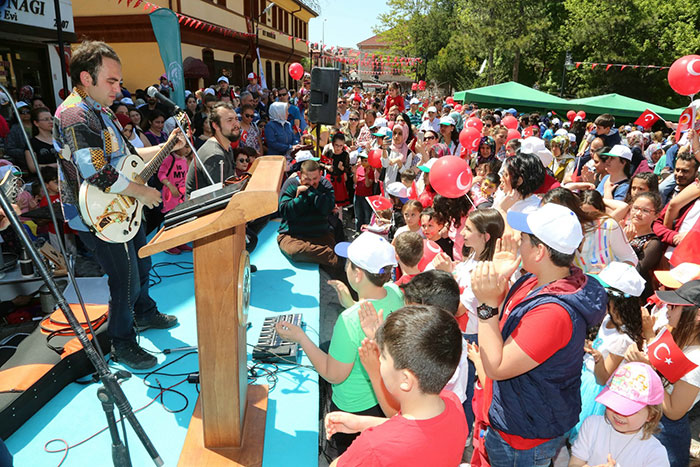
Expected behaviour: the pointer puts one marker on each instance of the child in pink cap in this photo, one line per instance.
(623, 436)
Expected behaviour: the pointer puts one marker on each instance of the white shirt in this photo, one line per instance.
(404, 228)
(598, 438)
(607, 341)
(344, 117)
(463, 273)
(458, 382)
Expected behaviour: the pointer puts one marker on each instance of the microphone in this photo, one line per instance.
(153, 92)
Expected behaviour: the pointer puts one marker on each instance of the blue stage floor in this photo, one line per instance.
(291, 433)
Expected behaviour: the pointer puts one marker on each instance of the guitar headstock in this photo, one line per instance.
(184, 120)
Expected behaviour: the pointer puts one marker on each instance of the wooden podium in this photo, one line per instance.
(228, 423)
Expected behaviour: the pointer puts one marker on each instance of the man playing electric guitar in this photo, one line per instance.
(90, 146)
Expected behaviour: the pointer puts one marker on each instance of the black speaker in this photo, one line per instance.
(324, 95)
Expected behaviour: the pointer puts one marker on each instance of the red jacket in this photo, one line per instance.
(664, 233)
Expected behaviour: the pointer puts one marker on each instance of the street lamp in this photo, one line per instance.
(323, 42)
(568, 66)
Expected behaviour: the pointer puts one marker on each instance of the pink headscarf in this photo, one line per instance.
(403, 148)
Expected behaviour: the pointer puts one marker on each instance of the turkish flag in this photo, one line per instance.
(647, 119)
(685, 122)
(430, 251)
(688, 250)
(414, 191)
(527, 132)
(668, 358)
(378, 203)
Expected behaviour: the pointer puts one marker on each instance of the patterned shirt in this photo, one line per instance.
(89, 150)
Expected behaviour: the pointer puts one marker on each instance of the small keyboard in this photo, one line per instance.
(271, 347)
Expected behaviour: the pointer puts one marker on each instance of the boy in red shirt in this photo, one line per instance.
(364, 187)
(409, 252)
(420, 350)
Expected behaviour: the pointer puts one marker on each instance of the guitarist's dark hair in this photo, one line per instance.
(88, 57)
(215, 117)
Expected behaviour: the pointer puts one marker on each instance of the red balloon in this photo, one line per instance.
(296, 70)
(450, 100)
(513, 134)
(414, 86)
(684, 75)
(375, 158)
(581, 114)
(571, 115)
(510, 122)
(451, 177)
(475, 123)
(421, 85)
(458, 108)
(468, 136)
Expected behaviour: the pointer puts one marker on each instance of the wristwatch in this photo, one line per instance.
(484, 311)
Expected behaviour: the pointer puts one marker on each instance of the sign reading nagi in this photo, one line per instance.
(37, 13)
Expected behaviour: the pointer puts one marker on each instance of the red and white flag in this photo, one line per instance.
(379, 203)
(414, 191)
(529, 131)
(665, 356)
(430, 251)
(647, 119)
(685, 122)
(688, 250)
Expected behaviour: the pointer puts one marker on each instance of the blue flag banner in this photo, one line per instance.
(167, 31)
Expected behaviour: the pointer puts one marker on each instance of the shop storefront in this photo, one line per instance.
(29, 52)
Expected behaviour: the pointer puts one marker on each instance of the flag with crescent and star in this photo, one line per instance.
(430, 251)
(379, 203)
(647, 119)
(666, 357)
(685, 122)
(688, 250)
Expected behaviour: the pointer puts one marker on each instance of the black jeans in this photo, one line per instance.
(128, 282)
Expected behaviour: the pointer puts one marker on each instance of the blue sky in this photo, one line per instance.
(347, 21)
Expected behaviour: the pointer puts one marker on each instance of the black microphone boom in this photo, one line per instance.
(153, 92)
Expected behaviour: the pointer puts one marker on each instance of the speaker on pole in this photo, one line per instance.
(324, 95)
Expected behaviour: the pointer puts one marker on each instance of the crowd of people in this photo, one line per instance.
(516, 322)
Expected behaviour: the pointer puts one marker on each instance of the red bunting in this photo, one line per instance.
(593, 66)
(608, 67)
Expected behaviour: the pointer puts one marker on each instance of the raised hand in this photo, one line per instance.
(369, 356)
(488, 285)
(370, 319)
(506, 259)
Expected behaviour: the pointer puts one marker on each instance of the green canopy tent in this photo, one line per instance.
(621, 106)
(512, 94)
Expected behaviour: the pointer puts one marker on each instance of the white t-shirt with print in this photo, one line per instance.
(598, 438)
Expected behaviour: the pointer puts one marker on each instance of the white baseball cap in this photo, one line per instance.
(21, 104)
(127, 101)
(414, 101)
(368, 251)
(561, 132)
(305, 156)
(397, 189)
(619, 150)
(623, 277)
(432, 108)
(556, 225)
(536, 146)
(251, 75)
(379, 122)
(209, 91)
(679, 275)
(382, 132)
(572, 137)
(447, 120)
(428, 165)
(222, 78)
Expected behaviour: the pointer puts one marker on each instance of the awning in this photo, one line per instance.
(622, 106)
(195, 68)
(512, 94)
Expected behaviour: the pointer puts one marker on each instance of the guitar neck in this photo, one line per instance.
(154, 164)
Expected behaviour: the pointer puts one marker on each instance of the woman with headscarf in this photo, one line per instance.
(563, 162)
(279, 136)
(398, 158)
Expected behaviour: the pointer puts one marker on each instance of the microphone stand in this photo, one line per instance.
(109, 380)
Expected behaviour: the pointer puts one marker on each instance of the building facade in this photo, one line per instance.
(280, 32)
(376, 69)
(29, 47)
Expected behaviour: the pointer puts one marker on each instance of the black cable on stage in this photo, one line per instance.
(155, 278)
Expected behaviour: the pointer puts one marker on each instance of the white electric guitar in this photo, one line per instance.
(117, 218)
